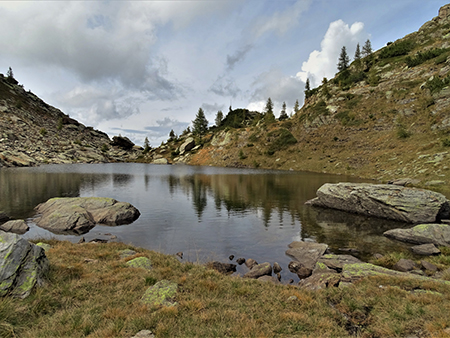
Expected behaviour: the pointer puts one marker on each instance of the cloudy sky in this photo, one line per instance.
(142, 68)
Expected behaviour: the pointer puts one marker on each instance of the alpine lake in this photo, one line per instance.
(208, 213)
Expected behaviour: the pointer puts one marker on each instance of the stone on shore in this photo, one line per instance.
(225, 268)
(80, 214)
(385, 201)
(23, 265)
(305, 256)
(263, 269)
(437, 234)
(17, 226)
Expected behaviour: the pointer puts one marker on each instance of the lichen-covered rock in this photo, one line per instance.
(80, 214)
(264, 269)
(161, 294)
(22, 265)
(140, 262)
(17, 226)
(438, 234)
(126, 253)
(385, 201)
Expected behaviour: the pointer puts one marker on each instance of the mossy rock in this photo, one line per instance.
(161, 294)
(140, 262)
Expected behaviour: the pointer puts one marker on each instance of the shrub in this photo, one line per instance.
(402, 133)
(436, 84)
(43, 131)
(104, 148)
(446, 142)
(60, 123)
(425, 56)
(346, 118)
(242, 156)
(280, 139)
(396, 49)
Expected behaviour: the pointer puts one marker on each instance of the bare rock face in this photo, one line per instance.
(444, 12)
(23, 265)
(385, 201)
(438, 234)
(187, 145)
(80, 214)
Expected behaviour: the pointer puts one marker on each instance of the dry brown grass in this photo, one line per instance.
(100, 298)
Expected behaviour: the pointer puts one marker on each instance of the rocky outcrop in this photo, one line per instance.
(385, 201)
(438, 234)
(17, 226)
(161, 294)
(122, 142)
(80, 214)
(23, 265)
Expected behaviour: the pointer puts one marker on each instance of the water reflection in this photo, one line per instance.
(220, 211)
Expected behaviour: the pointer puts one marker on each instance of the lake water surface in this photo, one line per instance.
(208, 213)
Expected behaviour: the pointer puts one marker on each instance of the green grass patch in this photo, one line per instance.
(396, 49)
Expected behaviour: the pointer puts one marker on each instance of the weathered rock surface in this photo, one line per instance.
(385, 201)
(276, 268)
(405, 265)
(425, 250)
(263, 269)
(305, 256)
(126, 253)
(17, 226)
(187, 145)
(427, 266)
(144, 334)
(80, 214)
(438, 234)
(225, 268)
(250, 263)
(337, 262)
(140, 262)
(23, 265)
(161, 294)
(269, 279)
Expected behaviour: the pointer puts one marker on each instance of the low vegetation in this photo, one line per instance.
(93, 293)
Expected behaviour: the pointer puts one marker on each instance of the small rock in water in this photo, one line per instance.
(291, 281)
(279, 276)
(240, 261)
(231, 257)
(276, 267)
(98, 240)
(180, 254)
(82, 240)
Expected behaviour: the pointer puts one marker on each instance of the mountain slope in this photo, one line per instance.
(33, 132)
(385, 117)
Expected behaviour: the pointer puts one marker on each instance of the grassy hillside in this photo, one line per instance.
(384, 118)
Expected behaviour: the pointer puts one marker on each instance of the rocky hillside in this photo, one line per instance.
(385, 117)
(33, 132)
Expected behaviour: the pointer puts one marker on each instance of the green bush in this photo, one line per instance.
(397, 49)
(43, 131)
(446, 142)
(402, 133)
(346, 118)
(104, 148)
(436, 84)
(242, 156)
(425, 56)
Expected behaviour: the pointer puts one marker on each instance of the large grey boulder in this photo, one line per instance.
(385, 201)
(80, 214)
(17, 226)
(438, 234)
(23, 265)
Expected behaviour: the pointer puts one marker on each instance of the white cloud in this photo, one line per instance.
(323, 63)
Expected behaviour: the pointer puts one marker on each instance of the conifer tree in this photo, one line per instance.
(200, 124)
(146, 145)
(172, 134)
(269, 116)
(307, 89)
(283, 114)
(357, 53)
(296, 107)
(367, 48)
(219, 118)
(343, 60)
